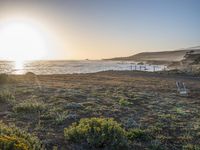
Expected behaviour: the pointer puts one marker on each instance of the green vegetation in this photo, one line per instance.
(149, 112)
(6, 97)
(191, 147)
(12, 142)
(124, 102)
(29, 107)
(74, 106)
(61, 117)
(138, 135)
(105, 133)
(12, 138)
(97, 133)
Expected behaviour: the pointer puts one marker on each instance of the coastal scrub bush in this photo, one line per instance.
(136, 134)
(12, 138)
(12, 142)
(6, 97)
(97, 133)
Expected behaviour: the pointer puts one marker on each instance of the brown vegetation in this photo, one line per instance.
(143, 103)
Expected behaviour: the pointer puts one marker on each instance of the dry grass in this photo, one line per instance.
(144, 100)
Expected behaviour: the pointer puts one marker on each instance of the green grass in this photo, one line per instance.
(7, 97)
(138, 135)
(124, 102)
(29, 107)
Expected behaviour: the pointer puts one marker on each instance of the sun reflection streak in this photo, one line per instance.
(19, 67)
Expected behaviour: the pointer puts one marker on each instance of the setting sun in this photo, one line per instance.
(22, 41)
(99, 74)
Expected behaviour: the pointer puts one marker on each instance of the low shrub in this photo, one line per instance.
(61, 117)
(6, 97)
(191, 147)
(29, 107)
(12, 143)
(137, 135)
(124, 102)
(97, 133)
(74, 105)
(12, 138)
(72, 116)
(129, 122)
(30, 74)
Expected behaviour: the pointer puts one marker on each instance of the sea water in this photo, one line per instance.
(71, 67)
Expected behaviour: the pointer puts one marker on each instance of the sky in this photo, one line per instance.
(96, 29)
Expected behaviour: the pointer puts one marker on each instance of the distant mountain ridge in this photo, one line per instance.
(167, 56)
(194, 47)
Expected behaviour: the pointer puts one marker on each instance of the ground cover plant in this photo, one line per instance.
(12, 138)
(146, 105)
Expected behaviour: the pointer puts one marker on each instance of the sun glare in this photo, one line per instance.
(21, 41)
(18, 67)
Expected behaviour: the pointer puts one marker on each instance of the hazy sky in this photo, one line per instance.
(95, 29)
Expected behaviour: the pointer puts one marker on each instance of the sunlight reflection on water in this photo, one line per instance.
(19, 67)
(70, 67)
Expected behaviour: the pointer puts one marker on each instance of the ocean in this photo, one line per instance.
(71, 67)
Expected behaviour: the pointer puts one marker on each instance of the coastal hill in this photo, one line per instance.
(164, 56)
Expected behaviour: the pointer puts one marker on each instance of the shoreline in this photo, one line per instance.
(166, 74)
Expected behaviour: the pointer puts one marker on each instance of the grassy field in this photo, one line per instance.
(144, 103)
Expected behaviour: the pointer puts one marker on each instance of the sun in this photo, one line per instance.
(21, 41)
